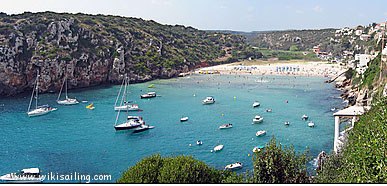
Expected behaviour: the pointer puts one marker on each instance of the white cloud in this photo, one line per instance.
(317, 9)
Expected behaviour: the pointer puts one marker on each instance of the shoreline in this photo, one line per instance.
(281, 68)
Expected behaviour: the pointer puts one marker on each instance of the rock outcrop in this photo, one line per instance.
(98, 49)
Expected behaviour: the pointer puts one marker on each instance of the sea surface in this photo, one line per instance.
(74, 139)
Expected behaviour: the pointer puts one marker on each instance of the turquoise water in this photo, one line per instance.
(75, 139)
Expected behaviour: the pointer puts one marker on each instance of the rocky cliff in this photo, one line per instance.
(98, 49)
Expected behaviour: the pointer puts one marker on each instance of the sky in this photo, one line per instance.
(236, 15)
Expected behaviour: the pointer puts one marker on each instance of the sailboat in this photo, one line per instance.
(126, 105)
(39, 110)
(130, 123)
(67, 101)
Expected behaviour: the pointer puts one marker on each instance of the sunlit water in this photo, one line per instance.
(75, 139)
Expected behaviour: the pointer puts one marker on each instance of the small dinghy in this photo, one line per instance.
(311, 124)
(268, 110)
(218, 148)
(183, 119)
(287, 123)
(304, 117)
(260, 133)
(226, 126)
(143, 128)
(257, 119)
(234, 166)
(256, 104)
(199, 142)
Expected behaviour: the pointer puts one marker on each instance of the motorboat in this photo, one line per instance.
(67, 100)
(39, 110)
(234, 166)
(260, 133)
(287, 123)
(218, 148)
(225, 126)
(29, 175)
(208, 100)
(183, 119)
(258, 148)
(256, 104)
(304, 117)
(199, 142)
(148, 95)
(268, 110)
(257, 119)
(127, 107)
(130, 124)
(311, 124)
(142, 128)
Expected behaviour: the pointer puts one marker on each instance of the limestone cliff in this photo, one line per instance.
(97, 49)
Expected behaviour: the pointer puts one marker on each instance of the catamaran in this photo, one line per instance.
(39, 110)
(67, 101)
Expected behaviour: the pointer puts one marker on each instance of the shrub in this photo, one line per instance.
(279, 165)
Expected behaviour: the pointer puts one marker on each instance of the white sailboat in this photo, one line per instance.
(39, 110)
(125, 105)
(67, 100)
(131, 122)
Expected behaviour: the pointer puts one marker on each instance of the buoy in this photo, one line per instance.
(234, 97)
(222, 114)
(194, 95)
(211, 150)
(248, 154)
(190, 144)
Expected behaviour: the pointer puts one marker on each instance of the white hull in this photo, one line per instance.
(8, 178)
(184, 119)
(256, 104)
(311, 124)
(208, 100)
(234, 166)
(127, 107)
(225, 126)
(218, 148)
(40, 111)
(67, 102)
(255, 121)
(260, 133)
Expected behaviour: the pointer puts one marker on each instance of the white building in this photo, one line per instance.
(362, 64)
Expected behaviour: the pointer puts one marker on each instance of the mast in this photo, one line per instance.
(122, 100)
(32, 95)
(60, 92)
(37, 90)
(122, 84)
(66, 85)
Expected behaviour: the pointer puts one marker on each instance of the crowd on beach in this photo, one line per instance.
(296, 69)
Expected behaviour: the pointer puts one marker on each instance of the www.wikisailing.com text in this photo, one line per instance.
(76, 177)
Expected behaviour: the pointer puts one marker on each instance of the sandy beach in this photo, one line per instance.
(290, 68)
